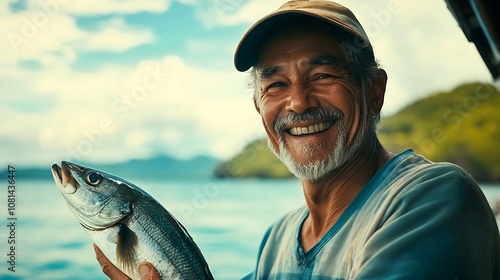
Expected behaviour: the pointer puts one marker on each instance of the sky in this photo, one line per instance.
(111, 80)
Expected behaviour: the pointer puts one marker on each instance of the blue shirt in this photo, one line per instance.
(413, 220)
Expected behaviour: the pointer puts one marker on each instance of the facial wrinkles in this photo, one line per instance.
(290, 73)
(356, 117)
(315, 170)
(291, 54)
(282, 51)
(360, 118)
(346, 145)
(312, 114)
(357, 103)
(299, 73)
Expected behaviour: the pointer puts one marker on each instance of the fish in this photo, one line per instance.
(128, 224)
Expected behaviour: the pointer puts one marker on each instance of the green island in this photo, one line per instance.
(461, 126)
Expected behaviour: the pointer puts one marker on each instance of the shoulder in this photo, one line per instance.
(435, 207)
(414, 172)
(408, 163)
(414, 183)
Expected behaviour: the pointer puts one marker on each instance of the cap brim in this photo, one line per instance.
(248, 48)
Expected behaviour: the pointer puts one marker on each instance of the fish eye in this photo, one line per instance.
(93, 178)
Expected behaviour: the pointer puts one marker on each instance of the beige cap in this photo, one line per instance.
(331, 12)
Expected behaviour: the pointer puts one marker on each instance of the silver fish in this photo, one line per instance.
(128, 225)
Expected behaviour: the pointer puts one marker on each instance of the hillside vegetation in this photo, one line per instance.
(256, 160)
(461, 126)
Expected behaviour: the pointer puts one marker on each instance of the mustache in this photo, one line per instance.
(311, 114)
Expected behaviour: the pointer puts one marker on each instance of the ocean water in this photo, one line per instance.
(227, 218)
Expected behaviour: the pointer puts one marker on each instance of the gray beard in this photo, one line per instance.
(318, 169)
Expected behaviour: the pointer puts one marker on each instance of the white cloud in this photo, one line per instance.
(422, 49)
(98, 7)
(54, 37)
(419, 43)
(116, 36)
(248, 13)
(171, 136)
(132, 111)
(198, 105)
(138, 139)
(118, 113)
(232, 12)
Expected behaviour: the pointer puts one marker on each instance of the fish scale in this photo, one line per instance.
(137, 227)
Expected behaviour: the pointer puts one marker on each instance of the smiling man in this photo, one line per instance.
(368, 214)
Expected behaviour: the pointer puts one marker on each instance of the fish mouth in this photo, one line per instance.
(63, 177)
(87, 211)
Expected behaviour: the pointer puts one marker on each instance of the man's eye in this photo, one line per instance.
(323, 76)
(274, 86)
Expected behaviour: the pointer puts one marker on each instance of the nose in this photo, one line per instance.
(301, 98)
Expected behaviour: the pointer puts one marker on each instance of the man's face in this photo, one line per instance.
(311, 109)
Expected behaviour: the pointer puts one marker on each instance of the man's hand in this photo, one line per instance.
(146, 270)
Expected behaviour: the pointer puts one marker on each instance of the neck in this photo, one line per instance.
(328, 198)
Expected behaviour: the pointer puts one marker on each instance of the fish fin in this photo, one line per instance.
(126, 245)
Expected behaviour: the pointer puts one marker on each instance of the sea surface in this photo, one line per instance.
(226, 217)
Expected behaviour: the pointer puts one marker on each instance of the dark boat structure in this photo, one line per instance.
(480, 22)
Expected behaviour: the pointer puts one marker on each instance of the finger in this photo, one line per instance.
(107, 267)
(148, 272)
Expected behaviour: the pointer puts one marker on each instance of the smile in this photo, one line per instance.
(314, 128)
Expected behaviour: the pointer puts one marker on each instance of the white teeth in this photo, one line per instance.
(70, 188)
(315, 128)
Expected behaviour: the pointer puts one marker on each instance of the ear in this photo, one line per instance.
(377, 93)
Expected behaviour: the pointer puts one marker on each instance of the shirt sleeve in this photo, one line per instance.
(439, 226)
